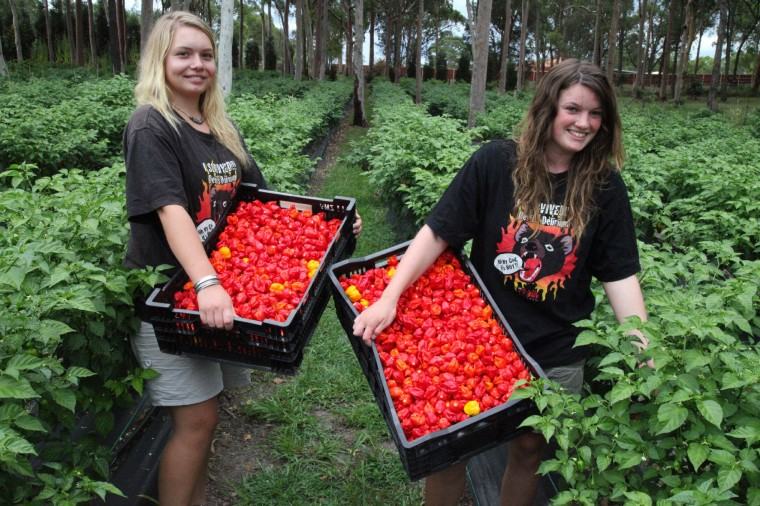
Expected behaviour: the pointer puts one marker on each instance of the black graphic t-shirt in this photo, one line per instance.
(187, 168)
(538, 274)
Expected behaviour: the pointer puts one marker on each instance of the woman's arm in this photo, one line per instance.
(214, 304)
(420, 255)
(627, 300)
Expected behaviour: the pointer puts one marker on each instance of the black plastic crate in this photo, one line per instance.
(269, 344)
(457, 443)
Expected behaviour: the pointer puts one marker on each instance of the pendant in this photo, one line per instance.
(197, 121)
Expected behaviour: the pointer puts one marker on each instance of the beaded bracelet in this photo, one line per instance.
(205, 282)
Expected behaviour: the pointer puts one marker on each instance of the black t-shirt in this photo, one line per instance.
(538, 274)
(166, 166)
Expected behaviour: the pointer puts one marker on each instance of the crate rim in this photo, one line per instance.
(489, 299)
(350, 210)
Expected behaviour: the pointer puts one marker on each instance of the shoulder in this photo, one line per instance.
(147, 122)
(495, 158)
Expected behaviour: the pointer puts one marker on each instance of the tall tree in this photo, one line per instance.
(349, 26)
(687, 34)
(298, 75)
(69, 28)
(418, 54)
(479, 60)
(113, 37)
(358, 57)
(79, 32)
(640, 51)
(16, 31)
(372, 22)
(91, 33)
(146, 22)
(225, 46)
(3, 66)
(729, 42)
(49, 31)
(715, 82)
(596, 55)
(262, 13)
(611, 40)
(523, 37)
(665, 67)
(505, 40)
(241, 33)
(320, 39)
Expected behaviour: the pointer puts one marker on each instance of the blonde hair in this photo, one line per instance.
(589, 168)
(151, 88)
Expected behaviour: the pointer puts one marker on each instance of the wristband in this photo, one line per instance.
(205, 282)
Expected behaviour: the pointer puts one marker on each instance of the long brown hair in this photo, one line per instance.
(152, 88)
(589, 168)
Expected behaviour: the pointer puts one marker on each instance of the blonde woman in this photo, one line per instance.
(553, 204)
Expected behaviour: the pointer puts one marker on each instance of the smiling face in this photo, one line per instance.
(578, 119)
(189, 66)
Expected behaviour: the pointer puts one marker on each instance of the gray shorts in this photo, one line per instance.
(569, 376)
(183, 380)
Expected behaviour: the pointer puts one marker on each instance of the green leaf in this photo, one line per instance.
(531, 421)
(626, 460)
(24, 362)
(728, 477)
(51, 330)
(712, 411)
(672, 416)
(612, 358)
(65, 398)
(722, 458)
(20, 388)
(603, 462)
(745, 432)
(588, 337)
(697, 454)
(79, 372)
(753, 496)
(14, 277)
(638, 499)
(29, 423)
(694, 359)
(621, 391)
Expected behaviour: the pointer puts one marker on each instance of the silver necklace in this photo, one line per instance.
(198, 120)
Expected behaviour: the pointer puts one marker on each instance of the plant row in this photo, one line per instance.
(278, 130)
(686, 431)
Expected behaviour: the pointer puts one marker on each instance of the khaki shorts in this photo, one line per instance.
(183, 380)
(569, 376)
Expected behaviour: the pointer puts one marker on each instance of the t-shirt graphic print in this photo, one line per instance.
(219, 188)
(537, 258)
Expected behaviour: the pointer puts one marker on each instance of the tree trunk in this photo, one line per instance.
(146, 22)
(91, 33)
(241, 34)
(320, 37)
(596, 56)
(756, 75)
(699, 46)
(79, 33)
(745, 35)
(371, 41)
(418, 54)
(505, 39)
(309, 41)
(650, 48)
(349, 40)
(69, 28)
(686, 36)
(728, 43)
(359, 116)
(611, 42)
(387, 50)
(121, 32)
(397, 48)
(49, 31)
(640, 51)
(262, 14)
(225, 45)
(539, 41)
(113, 37)
(480, 61)
(299, 41)
(3, 66)
(287, 64)
(665, 67)
(16, 31)
(715, 82)
(523, 35)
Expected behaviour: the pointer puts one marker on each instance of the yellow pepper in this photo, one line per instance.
(364, 302)
(276, 287)
(225, 252)
(391, 272)
(312, 265)
(353, 293)
(472, 408)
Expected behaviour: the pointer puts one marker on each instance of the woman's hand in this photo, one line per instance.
(374, 319)
(357, 228)
(215, 306)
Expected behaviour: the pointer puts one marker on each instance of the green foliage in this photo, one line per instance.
(685, 432)
(278, 129)
(60, 124)
(66, 316)
(411, 155)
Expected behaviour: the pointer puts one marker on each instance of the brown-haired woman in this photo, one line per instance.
(553, 204)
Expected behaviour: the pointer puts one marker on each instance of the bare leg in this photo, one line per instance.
(444, 488)
(184, 460)
(520, 481)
